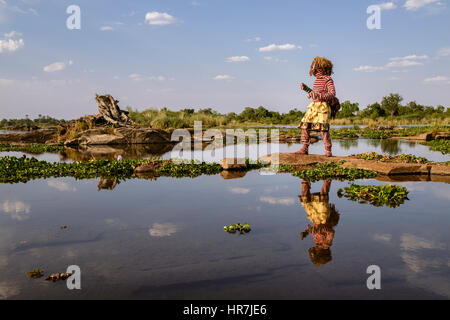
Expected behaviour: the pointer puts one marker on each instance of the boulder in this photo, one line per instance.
(227, 175)
(119, 136)
(233, 164)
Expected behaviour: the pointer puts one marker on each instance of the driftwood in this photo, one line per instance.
(109, 111)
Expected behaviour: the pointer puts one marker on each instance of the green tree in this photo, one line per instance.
(348, 109)
(391, 103)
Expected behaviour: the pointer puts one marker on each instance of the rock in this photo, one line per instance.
(388, 168)
(296, 159)
(36, 136)
(233, 164)
(442, 136)
(440, 169)
(119, 136)
(147, 167)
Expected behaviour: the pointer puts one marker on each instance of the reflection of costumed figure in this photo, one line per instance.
(317, 117)
(324, 218)
(107, 183)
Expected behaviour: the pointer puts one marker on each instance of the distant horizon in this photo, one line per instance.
(220, 55)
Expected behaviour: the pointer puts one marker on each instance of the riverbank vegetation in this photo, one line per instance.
(333, 170)
(389, 111)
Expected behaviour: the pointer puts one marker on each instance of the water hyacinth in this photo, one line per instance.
(385, 195)
(238, 228)
(333, 170)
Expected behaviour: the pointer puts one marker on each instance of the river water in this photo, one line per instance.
(164, 239)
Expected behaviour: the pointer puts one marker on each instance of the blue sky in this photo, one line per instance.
(215, 53)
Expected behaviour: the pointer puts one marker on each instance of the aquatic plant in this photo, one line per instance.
(180, 169)
(376, 133)
(333, 170)
(233, 228)
(30, 148)
(440, 145)
(384, 195)
(35, 274)
(404, 158)
(341, 133)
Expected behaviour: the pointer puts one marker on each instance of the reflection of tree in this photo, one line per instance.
(324, 217)
(347, 143)
(389, 146)
(107, 183)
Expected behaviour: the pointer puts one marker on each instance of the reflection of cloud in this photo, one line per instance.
(275, 200)
(240, 190)
(61, 186)
(425, 272)
(17, 209)
(7, 290)
(411, 242)
(162, 229)
(275, 188)
(382, 237)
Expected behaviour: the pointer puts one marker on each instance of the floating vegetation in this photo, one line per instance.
(23, 169)
(237, 228)
(415, 131)
(58, 276)
(385, 195)
(63, 227)
(342, 133)
(440, 145)
(376, 133)
(191, 169)
(333, 170)
(404, 158)
(30, 148)
(35, 274)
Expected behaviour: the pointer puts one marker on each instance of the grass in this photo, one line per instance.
(385, 195)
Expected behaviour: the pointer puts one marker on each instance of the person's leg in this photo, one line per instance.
(327, 142)
(305, 141)
(306, 187)
(326, 187)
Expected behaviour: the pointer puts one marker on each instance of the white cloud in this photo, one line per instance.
(159, 18)
(382, 237)
(140, 77)
(255, 39)
(106, 28)
(275, 200)
(437, 79)
(11, 45)
(57, 66)
(368, 68)
(387, 6)
(162, 229)
(406, 61)
(280, 47)
(223, 77)
(444, 52)
(275, 59)
(239, 190)
(413, 5)
(12, 34)
(410, 57)
(238, 59)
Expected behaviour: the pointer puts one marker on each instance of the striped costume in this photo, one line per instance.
(317, 117)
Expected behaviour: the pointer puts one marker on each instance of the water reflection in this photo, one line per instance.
(107, 183)
(324, 217)
(389, 146)
(347, 143)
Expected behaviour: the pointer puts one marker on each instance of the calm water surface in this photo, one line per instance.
(164, 239)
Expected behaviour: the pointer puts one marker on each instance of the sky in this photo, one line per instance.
(220, 54)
